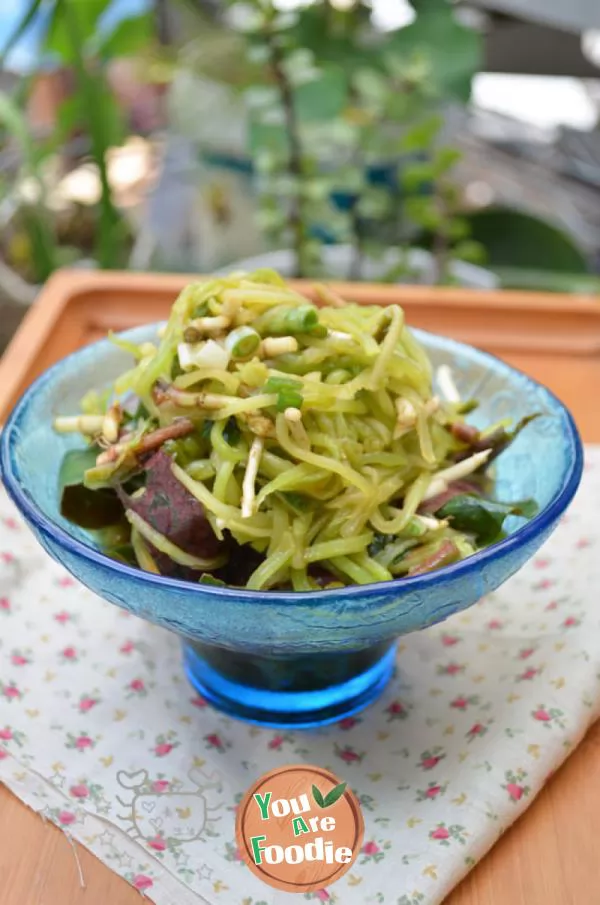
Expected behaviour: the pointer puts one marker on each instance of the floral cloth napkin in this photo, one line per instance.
(101, 733)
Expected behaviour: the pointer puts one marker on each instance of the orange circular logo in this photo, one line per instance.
(299, 828)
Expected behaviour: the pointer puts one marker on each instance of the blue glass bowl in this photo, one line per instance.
(281, 658)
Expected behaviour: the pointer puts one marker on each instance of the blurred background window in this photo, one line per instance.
(429, 141)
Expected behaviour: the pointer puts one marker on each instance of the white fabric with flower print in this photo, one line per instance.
(100, 732)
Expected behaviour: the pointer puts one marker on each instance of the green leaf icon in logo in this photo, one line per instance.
(332, 796)
(318, 797)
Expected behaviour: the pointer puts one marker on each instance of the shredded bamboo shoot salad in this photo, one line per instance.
(264, 442)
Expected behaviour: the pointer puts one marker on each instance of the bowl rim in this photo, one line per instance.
(461, 569)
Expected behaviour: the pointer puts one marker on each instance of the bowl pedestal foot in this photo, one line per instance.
(296, 691)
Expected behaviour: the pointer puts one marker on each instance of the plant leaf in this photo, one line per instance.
(90, 509)
(483, 518)
(334, 794)
(23, 26)
(318, 797)
(74, 465)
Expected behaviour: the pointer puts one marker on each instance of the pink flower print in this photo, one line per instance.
(6, 734)
(163, 744)
(160, 785)
(5, 604)
(571, 622)
(450, 640)
(494, 624)
(3, 753)
(477, 729)
(515, 791)
(529, 673)
(66, 582)
(526, 652)
(214, 740)
(582, 543)
(157, 843)
(7, 557)
(462, 702)
(69, 654)
(11, 523)
(543, 585)
(430, 759)
(370, 848)
(142, 882)
(199, 701)
(443, 834)
(541, 563)
(18, 659)
(451, 669)
(551, 606)
(348, 754)
(79, 791)
(322, 895)
(66, 818)
(550, 717)
(80, 742)
(137, 685)
(396, 711)
(515, 786)
(349, 722)
(163, 748)
(10, 691)
(433, 791)
(86, 703)
(62, 617)
(276, 742)
(127, 647)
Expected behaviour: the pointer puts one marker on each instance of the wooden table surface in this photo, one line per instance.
(549, 857)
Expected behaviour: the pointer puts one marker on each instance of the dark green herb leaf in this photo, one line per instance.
(379, 542)
(334, 794)
(318, 797)
(232, 433)
(206, 429)
(297, 501)
(483, 518)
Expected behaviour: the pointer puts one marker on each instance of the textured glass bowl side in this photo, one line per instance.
(545, 462)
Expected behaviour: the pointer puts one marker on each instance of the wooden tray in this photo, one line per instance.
(554, 338)
(550, 856)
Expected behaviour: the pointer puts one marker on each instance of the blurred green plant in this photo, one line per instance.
(344, 134)
(75, 35)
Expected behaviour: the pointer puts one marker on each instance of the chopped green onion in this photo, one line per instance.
(288, 391)
(242, 342)
(287, 319)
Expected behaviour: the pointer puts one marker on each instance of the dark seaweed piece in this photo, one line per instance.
(173, 511)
